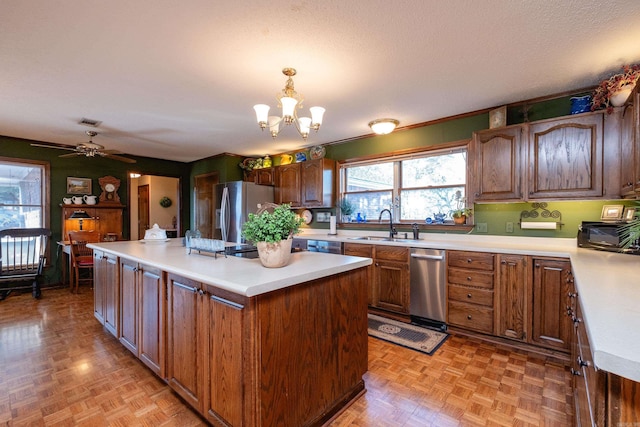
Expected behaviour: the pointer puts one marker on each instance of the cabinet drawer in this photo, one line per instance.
(481, 279)
(471, 316)
(473, 260)
(471, 295)
(357, 249)
(392, 253)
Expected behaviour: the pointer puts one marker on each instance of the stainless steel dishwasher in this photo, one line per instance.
(428, 287)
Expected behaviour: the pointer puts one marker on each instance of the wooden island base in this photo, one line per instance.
(290, 357)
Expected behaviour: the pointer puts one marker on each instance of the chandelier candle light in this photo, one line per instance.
(289, 100)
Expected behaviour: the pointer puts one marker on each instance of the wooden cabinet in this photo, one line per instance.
(562, 158)
(106, 290)
(470, 282)
(513, 288)
(307, 184)
(552, 280)
(630, 147)
(106, 219)
(389, 286)
(129, 303)
(187, 339)
(288, 185)
(566, 157)
(264, 176)
(499, 155)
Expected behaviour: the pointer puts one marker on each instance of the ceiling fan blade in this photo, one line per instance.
(57, 147)
(119, 158)
(71, 154)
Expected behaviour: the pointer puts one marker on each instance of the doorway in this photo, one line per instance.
(205, 203)
(154, 199)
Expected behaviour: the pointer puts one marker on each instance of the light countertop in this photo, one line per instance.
(608, 285)
(239, 275)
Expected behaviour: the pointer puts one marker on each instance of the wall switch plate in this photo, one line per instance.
(481, 227)
(509, 227)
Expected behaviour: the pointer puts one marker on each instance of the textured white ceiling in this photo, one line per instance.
(178, 79)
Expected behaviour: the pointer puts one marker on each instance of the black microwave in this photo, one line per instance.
(604, 236)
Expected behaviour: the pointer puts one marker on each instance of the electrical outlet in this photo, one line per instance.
(509, 227)
(481, 227)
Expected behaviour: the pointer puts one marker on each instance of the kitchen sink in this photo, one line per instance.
(383, 239)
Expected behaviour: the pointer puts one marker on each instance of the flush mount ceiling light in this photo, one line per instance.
(383, 126)
(289, 100)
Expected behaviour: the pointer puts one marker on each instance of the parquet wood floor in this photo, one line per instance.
(58, 367)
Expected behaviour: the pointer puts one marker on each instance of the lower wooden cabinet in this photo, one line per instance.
(389, 284)
(106, 290)
(514, 301)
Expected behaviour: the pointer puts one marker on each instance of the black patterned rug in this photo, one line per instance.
(407, 335)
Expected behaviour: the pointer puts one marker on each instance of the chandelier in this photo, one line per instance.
(289, 100)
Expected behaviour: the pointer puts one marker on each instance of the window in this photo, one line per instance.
(23, 194)
(414, 186)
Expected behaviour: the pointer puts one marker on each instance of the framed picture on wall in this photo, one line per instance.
(629, 213)
(78, 185)
(612, 212)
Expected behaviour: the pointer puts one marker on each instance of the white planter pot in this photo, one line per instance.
(274, 255)
(618, 98)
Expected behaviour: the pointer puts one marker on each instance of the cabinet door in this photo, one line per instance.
(99, 271)
(264, 176)
(317, 180)
(551, 297)
(187, 339)
(152, 326)
(565, 158)
(129, 305)
(288, 185)
(109, 221)
(391, 280)
(627, 151)
(111, 302)
(225, 363)
(636, 120)
(512, 304)
(498, 163)
(366, 251)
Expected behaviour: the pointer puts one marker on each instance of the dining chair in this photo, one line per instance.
(82, 256)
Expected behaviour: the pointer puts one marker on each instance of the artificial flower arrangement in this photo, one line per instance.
(602, 94)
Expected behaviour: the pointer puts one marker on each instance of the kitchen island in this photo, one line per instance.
(242, 344)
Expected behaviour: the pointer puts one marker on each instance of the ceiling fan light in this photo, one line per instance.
(383, 126)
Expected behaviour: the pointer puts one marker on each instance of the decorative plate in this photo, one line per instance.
(317, 152)
(307, 216)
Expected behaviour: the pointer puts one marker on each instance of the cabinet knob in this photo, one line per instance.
(503, 262)
(377, 264)
(469, 260)
(576, 373)
(468, 295)
(582, 362)
(572, 295)
(469, 316)
(469, 278)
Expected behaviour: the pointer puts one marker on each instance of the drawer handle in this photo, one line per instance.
(468, 317)
(469, 278)
(582, 362)
(468, 295)
(577, 373)
(469, 260)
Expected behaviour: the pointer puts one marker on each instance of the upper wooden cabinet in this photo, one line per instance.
(265, 176)
(498, 157)
(307, 184)
(561, 158)
(630, 147)
(566, 158)
(107, 219)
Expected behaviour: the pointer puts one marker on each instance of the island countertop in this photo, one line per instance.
(238, 275)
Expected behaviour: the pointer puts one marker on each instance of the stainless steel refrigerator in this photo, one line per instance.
(234, 201)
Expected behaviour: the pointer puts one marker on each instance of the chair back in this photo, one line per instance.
(22, 251)
(79, 240)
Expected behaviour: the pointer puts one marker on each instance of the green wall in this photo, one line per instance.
(94, 168)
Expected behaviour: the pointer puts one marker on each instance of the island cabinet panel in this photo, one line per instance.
(151, 327)
(551, 326)
(129, 305)
(498, 155)
(566, 158)
(365, 251)
(513, 302)
(187, 339)
(304, 375)
(106, 290)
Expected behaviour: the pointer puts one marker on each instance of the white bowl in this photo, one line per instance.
(155, 233)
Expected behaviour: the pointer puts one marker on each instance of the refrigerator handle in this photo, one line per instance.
(224, 214)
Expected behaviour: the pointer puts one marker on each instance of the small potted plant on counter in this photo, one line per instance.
(272, 233)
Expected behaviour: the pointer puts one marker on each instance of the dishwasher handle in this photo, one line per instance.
(432, 257)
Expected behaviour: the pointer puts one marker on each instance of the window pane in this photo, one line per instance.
(420, 204)
(370, 177)
(21, 198)
(443, 169)
(369, 204)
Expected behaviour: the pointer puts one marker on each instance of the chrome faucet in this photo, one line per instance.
(392, 230)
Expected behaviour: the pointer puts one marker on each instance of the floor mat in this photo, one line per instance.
(407, 335)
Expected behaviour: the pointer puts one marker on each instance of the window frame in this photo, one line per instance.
(396, 158)
(45, 201)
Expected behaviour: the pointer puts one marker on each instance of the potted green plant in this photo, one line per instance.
(272, 233)
(615, 90)
(346, 209)
(461, 212)
(630, 232)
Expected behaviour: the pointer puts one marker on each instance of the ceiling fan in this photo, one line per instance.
(87, 149)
